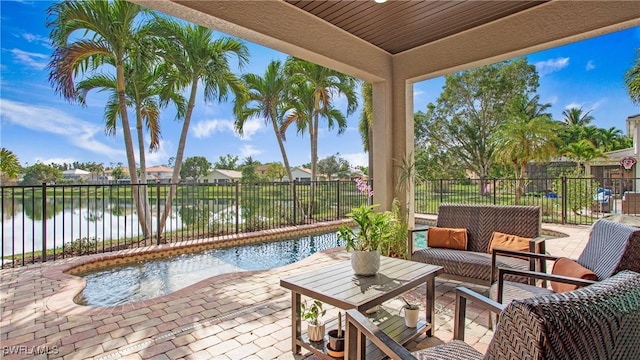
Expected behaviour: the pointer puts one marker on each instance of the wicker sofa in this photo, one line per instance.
(475, 264)
(600, 321)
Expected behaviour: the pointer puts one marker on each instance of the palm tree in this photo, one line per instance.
(197, 57)
(9, 164)
(146, 92)
(109, 31)
(528, 134)
(632, 80)
(266, 99)
(365, 125)
(326, 84)
(582, 151)
(574, 116)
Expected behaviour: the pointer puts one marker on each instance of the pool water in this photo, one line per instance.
(152, 278)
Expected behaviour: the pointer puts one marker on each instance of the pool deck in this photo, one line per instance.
(233, 316)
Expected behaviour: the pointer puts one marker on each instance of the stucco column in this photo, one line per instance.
(393, 144)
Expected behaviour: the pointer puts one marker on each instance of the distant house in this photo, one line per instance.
(159, 174)
(222, 176)
(76, 175)
(299, 174)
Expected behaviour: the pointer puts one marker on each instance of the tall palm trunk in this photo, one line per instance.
(313, 135)
(144, 190)
(287, 167)
(128, 143)
(179, 155)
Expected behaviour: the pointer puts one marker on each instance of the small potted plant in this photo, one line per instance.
(374, 228)
(335, 348)
(411, 312)
(313, 314)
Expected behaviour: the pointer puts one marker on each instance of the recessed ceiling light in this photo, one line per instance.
(380, 1)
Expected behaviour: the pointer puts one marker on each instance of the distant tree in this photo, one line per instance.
(40, 173)
(275, 171)
(575, 116)
(118, 173)
(632, 80)
(470, 107)
(249, 161)
(334, 165)
(171, 162)
(95, 169)
(9, 164)
(227, 162)
(194, 168)
(582, 151)
(528, 134)
(249, 173)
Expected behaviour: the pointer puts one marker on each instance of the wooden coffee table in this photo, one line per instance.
(337, 285)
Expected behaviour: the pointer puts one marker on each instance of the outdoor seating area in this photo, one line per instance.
(244, 315)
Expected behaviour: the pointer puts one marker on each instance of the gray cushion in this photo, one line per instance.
(468, 263)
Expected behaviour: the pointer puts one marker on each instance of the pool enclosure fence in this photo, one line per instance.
(55, 221)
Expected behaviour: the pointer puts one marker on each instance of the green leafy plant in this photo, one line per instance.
(312, 314)
(374, 229)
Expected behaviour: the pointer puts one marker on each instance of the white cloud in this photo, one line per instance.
(50, 120)
(58, 161)
(357, 159)
(249, 150)
(590, 65)
(207, 128)
(552, 100)
(551, 65)
(158, 157)
(574, 105)
(33, 38)
(417, 93)
(34, 60)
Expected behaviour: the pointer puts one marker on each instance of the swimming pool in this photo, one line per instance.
(157, 277)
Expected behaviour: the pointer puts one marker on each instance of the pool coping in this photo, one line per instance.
(63, 300)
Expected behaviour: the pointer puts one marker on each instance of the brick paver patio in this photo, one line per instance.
(233, 316)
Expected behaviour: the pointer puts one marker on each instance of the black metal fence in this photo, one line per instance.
(562, 200)
(54, 221)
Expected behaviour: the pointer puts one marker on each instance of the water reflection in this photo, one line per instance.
(149, 279)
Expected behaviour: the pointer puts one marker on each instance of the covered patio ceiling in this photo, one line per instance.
(398, 43)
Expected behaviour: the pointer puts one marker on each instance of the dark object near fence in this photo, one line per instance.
(545, 327)
(474, 264)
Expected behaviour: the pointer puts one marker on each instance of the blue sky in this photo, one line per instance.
(38, 125)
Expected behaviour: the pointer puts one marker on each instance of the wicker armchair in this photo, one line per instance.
(612, 247)
(475, 264)
(600, 321)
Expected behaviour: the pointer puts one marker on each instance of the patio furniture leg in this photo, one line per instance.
(295, 322)
(430, 304)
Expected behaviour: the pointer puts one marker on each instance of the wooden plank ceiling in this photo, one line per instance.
(400, 25)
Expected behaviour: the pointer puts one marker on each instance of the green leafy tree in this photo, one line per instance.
(275, 171)
(335, 165)
(579, 194)
(365, 125)
(470, 108)
(107, 34)
(9, 165)
(528, 134)
(324, 84)
(575, 117)
(39, 173)
(632, 80)
(198, 57)
(194, 168)
(118, 173)
(249, 173)
(227, 162)
(582, 151)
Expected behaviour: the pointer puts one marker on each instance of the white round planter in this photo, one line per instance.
(365, 263)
